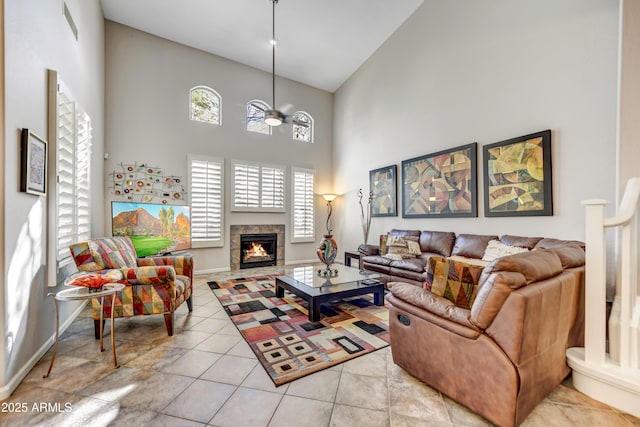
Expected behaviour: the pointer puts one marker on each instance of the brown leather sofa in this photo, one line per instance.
(504, 355)
(466, 247)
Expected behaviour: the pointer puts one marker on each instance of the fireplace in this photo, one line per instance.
(258, 250)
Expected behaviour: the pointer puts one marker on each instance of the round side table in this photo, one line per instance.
(83, 293)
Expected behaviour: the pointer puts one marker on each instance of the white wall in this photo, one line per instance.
(38, 38)
(147, 116)
(470, 71)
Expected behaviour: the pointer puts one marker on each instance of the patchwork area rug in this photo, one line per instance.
(287, 344)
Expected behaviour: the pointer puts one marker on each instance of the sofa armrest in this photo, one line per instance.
(441, 307)
(155, 275)
(366, 250)
(182, 264)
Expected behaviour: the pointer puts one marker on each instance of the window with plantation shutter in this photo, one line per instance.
(303, 206)
(258, 187)
(72, 168)
(207, 200)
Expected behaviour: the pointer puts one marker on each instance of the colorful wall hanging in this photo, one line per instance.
(147, 184)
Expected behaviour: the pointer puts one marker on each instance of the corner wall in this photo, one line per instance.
(469, 71)
(37, 38)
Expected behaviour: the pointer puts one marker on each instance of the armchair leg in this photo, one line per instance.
(190, 303)
(168, 321)
(97, 325)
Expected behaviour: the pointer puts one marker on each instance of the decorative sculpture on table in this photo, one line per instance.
(365, 217)
(328, 248)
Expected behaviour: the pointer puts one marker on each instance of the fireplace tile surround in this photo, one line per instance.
(237, 230)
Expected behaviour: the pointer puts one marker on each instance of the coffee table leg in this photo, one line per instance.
(279, 291)
(314, 311)
(378, 297)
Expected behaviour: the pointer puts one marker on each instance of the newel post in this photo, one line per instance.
(595, 282)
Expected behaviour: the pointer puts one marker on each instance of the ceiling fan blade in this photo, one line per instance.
(258, 107)
(286, 108)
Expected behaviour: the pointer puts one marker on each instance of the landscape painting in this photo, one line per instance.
(153, 228)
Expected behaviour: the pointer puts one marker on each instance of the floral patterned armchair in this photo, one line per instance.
(154, 285)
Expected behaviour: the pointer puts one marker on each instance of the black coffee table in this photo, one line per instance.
(305, 283)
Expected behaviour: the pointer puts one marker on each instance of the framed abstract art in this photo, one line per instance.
(441, 185)
(382, 184)
(517, 176)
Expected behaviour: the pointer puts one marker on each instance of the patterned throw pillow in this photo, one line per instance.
(454, 280)
(497, 249)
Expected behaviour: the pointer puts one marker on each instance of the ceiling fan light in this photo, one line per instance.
(273, 117)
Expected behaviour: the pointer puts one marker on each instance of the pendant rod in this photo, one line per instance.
(273, 53)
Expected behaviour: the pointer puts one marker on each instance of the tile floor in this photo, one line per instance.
(207, 375)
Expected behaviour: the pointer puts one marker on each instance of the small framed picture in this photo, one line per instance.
(382, 184)
(33, 170)
(517, 176)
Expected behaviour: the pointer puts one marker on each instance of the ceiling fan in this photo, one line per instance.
(273, 116)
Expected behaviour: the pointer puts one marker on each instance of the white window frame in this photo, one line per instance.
(256, 125)
(213, 92)
(303, 198)
(311, 126)
(258, 195)
(206, 200)
(69, 203)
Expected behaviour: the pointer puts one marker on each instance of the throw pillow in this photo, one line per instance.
(403, 252)
(453, 280)
(406, 246)
(383, 244)
(496, 249)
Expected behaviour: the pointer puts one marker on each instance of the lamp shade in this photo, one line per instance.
(329, 197)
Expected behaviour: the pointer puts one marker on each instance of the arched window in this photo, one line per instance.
(206, 105)
(302, 127)
(255, 117)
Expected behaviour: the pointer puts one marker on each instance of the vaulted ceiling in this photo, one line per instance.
(319, 42)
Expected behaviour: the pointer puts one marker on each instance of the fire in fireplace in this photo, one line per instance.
(258, 250)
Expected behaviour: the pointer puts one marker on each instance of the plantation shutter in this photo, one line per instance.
(207, 198)
(258, 187)
(73, 158)
(246, 186)
(303, 205)
(272, 187)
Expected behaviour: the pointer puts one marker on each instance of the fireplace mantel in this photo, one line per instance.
(237, 230)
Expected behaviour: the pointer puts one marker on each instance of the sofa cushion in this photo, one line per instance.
(523, 242)
(496, 249)
(454, 280)
(439, 242)
(549, 243)
(471, 245)
(413, 264)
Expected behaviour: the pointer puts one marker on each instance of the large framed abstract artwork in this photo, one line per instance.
(382, 184)
(517, 176)
(441, 185)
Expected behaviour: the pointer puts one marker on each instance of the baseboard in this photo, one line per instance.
(211, 270)
(14, 382)
(304, 261)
